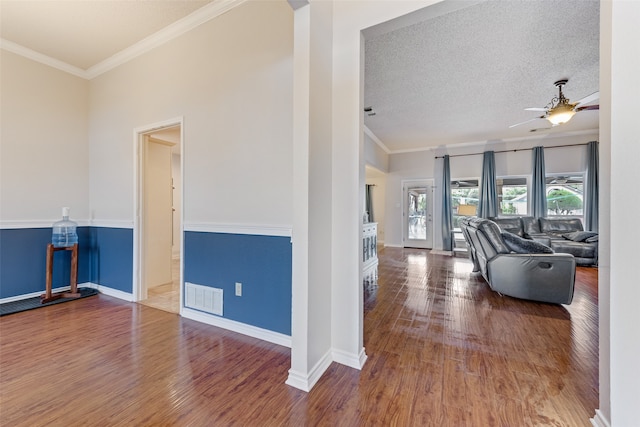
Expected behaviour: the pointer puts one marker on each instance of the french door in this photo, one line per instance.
(417, 216)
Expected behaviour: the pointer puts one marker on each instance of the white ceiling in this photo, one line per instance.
(458, 72)
(83, 33)
(465, 76)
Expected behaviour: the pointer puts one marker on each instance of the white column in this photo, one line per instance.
(311, 293)
(625, 174)
(603, 413)
(348, 193)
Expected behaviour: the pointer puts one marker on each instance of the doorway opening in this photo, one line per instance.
(158, 224)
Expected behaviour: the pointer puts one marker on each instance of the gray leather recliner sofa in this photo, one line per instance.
(563, 235)
(546, 277)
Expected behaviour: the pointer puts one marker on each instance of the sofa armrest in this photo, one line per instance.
(537, 277)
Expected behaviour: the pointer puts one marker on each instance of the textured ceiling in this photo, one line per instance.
(467, 75)
(84, 33)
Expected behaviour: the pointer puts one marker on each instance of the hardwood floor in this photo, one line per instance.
(443, 350)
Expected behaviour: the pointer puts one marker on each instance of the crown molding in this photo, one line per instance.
(170, 32)
(375, 139)
(189, 22)
(41, 58)
(538, 137)
(297, 4)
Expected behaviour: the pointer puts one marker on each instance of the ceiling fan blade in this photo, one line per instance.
(588, 107)
(526, 121)
(535, 109)
(589, 98)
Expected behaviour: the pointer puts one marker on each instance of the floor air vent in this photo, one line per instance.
(203, 298)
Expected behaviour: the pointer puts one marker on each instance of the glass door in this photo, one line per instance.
(417, 215)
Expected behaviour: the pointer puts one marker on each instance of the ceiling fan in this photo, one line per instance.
(464, 184)
(562, 180)
(559, 110)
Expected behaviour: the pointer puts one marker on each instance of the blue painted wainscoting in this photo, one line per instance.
(23, 261)
(112, 258)
(105, 257)
(261, 263)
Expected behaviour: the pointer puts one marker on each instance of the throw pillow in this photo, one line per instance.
(579, 236)
(523, 246)
(593, 239)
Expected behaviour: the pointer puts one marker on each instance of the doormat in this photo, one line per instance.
(35, 302)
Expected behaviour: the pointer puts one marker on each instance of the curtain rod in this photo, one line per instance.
(513, 151)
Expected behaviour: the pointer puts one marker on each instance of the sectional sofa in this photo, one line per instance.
(563, 235)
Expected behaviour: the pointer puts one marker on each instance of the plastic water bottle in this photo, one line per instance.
(64, 232)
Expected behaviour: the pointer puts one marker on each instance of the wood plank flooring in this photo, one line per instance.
(443, 350)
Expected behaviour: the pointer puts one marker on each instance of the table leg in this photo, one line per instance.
(48, 296)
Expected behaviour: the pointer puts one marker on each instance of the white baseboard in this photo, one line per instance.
(599, 420)
(33, 294)
(241, 328)
(102, 289)
(391, 245)
(109, 291)
(351, 360)
(298, 380)
(441, 252)
(305, 382)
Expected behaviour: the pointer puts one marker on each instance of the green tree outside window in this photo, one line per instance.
(562, 202)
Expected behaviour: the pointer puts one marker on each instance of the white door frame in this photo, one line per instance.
(138, 185)
(417, 183)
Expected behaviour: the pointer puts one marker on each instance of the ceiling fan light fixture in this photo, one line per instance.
(560, 114)
(561, 110)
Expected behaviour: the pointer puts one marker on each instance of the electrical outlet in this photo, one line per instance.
(238, 289)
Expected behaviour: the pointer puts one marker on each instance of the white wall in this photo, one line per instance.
(374, 155)
(625, 174)
(231, 80)
(377, 161)
(43, 143)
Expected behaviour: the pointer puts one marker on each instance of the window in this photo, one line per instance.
(417, 226)
(464, 199)
(565, 195)
(512, 196)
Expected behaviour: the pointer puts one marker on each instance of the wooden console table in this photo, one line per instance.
(73, 292)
